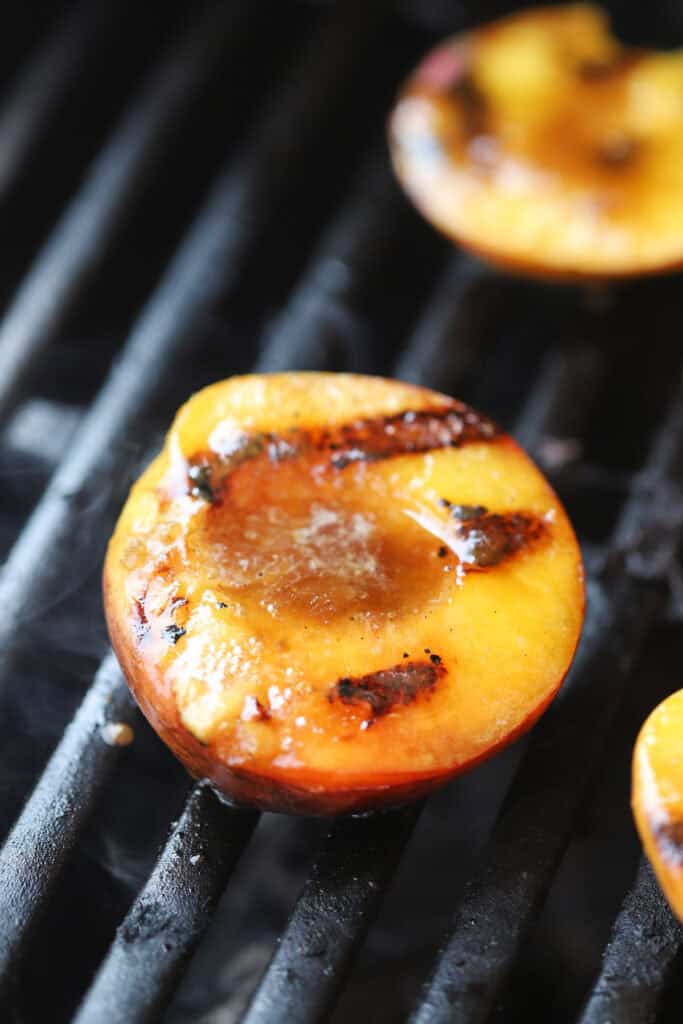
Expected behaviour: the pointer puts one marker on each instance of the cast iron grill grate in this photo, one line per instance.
(306, 222)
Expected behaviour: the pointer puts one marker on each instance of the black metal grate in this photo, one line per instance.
(305, 255)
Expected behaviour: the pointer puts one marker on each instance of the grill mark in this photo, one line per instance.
(173, 633)
(669, 839)
(374, 439)
(473, 106)
(619, 152)
(200, 485)
(383, 691)
(463, 512)
(603, 70)
(207, 471)
(141, 622)
(410, 432)
(488, 539)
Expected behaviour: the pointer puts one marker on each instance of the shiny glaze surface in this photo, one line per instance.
(544, 144)
(658, 795)
(333, 592)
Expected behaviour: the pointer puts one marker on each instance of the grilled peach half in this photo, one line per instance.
(332, 593)
(543, 144)
(657, 795)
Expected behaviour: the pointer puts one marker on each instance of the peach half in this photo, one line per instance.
(333, 592)
(657, 795)
(543, 144)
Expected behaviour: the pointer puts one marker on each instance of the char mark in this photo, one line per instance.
(173, 633)
(382, 692)
(199, 481)
(406, 433)
(473, 106)
(618, 152)
(207, 472)
(140, 620)
(604, 70)
(488, 539)
(669, 838)
(463, 512)
(374, 439)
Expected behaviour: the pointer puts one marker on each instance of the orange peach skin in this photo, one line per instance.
(657, 795)
(543, 145)
(306, 631)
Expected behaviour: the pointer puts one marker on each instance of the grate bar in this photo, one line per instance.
(635, 972)
(336, 906)
(88, 226)
(241, 205)
(553, 406)
(41, 86)
(535, 826)
(46, 832)
(443, 341)
(168, 918)
(320, 326)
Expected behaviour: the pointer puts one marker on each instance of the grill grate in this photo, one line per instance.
(331, 917)
(167, 920)
(44, 82)
(535, 357)
(35, 852)
(80, 240)
(634, 973)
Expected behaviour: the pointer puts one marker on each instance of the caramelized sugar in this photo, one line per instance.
(378, 693)
(299, 542)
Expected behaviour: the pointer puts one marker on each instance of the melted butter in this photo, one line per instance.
(293, 542)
